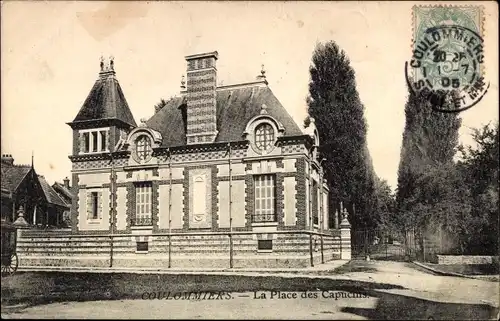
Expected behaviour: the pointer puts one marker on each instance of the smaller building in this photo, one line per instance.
(22, 186)
(64, 192)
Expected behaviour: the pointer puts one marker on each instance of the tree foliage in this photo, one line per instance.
(479, 166)
(162, 103)
(335, 105)
(437, 195)
(430, 142)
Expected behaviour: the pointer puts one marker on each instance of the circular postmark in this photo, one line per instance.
(447, 68)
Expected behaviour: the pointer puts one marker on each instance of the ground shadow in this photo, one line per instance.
(392, 306)
(35, 288)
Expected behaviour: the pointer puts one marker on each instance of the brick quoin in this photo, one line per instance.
(300, 187)
(74, 203)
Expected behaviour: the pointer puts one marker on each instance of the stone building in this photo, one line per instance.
(212, 162)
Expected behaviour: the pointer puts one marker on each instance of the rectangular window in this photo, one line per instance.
(264, 199)
(143, 203)
(315, 207)
(266, 245)
(86, 138)
(103, 140)
(95, 140)
(95, 205)
(142, 246)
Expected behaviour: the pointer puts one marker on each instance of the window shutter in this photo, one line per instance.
(82, 143)
(99, 205)
(89, 206)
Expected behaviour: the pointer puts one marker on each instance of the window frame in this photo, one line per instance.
(148, 148)
(264, 199)
(144, 198)
(94, 206)
(265, 245)
(94, 139)
(315, 205)
(142, 247)
(267, 143)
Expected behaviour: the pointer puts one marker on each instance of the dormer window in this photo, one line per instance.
(264, 137)
(94, 141)
(143, 147)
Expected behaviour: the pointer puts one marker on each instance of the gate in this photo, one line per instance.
(381, 245)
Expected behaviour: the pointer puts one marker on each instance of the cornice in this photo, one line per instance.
(99, 156)
(193, 148)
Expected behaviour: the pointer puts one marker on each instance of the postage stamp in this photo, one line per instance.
(447, 64)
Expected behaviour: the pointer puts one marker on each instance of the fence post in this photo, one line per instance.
(345, 239)
(169, 251)
(110, 251)
(311, 249)
(231, 250)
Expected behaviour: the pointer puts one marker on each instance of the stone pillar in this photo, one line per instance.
(345, 238)
(20, 223)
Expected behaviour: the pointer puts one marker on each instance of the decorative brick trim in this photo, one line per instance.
(300, 187)
(74, 203)
(167, 181)
(155, 195)
(215, 195)
(131, 202)
(185, 192)
(279, 200)
(249, 200)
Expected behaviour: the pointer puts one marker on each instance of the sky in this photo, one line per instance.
(50, 55)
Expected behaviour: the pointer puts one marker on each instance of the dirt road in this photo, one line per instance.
(414, 295)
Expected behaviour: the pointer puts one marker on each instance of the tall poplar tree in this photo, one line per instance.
(335, 105)
(430, 141)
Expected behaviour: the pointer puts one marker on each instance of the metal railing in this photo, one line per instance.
(141, 221)
(263, 218)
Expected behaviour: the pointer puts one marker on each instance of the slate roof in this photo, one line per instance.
(50, 193)
(106, 101)
(12, 176)
(235, 107)
(59, 187)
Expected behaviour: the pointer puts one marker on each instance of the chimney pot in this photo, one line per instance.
(7, 159)
(66, 182)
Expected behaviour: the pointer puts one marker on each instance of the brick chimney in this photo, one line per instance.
(7, 159)
(201, 103)
(66, 183)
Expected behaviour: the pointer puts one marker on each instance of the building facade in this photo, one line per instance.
(215, 159)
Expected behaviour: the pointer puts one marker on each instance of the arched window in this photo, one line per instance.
(143, 147)
(264, 136)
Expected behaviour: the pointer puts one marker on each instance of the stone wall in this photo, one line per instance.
(38, 248)
(467, 259)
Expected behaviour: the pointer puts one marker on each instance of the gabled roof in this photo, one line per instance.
(106, 101)
(50, 193)
(59, 187)
(12, 176)
(236, 105)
